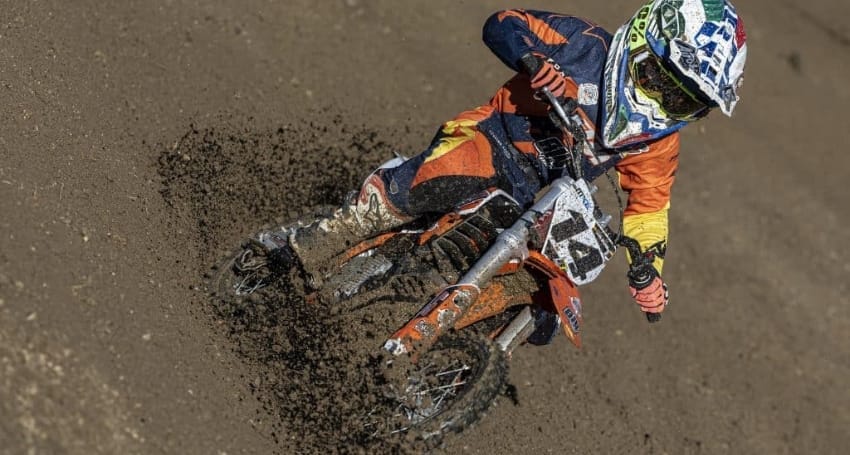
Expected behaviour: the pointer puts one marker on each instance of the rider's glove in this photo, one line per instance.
(648, 289)
(551, 76)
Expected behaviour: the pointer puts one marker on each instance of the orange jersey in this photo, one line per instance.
(646, 169)
(493, 145)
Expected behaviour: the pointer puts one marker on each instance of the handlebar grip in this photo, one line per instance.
(530, 64)
(652, 318)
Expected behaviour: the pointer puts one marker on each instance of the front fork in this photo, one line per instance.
(442, 312)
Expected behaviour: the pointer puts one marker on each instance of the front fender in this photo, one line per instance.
(561, 296)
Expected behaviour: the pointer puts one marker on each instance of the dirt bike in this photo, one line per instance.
(491, 277)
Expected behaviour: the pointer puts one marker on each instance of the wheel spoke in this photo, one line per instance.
(244, 287)
(431, 393)
(440, 388)
(461, 369)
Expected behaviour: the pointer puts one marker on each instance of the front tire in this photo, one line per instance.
(449, 388)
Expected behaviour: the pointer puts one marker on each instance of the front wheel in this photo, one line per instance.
(448, 388)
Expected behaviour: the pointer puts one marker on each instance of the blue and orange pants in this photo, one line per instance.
(468, 155)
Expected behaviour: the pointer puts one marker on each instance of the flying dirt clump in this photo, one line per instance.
(231, 181)
(316, 371)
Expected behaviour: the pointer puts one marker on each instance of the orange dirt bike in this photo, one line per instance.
(472, 285)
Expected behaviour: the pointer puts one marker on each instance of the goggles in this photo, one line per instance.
(659, 84)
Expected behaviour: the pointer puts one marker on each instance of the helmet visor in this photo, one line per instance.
(660, 85)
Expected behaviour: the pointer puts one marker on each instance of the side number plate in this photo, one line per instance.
(575, 241)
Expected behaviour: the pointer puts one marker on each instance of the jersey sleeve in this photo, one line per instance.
(647, 178)
(510, 34)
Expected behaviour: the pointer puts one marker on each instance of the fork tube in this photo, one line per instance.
(453, 302)
(512, 242)
(517, 331)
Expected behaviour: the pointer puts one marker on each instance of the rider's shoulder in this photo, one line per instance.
(665, 145)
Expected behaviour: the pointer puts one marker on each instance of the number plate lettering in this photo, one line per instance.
(575, 241)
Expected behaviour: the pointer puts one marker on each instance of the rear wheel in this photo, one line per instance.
(246, 270)
(230, 281)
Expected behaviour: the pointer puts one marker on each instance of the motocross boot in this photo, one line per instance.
(362, 216)
(310, 246)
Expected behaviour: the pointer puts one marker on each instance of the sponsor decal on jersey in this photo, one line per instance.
(588, 94)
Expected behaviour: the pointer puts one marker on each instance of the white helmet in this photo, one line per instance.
(672, 62)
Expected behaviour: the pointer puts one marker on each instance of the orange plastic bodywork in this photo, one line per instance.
(466, 305)
(562, 297)
(364, 246)
(445, 224)
(492, 301)
(450, 220)
(435, 317)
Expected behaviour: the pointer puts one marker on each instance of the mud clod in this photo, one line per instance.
(319, 374)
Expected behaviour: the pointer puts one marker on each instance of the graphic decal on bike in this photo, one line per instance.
(576, 242)
(572, 318)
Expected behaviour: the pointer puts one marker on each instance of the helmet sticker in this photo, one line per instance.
(728, 94)
(637, 33)
(714, 9)
(688, 58)
(671, 21)
(740, 34)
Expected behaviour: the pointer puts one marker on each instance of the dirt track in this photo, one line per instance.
(107, 345)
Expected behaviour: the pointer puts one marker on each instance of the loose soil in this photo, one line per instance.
(142, 141)
(320, 372)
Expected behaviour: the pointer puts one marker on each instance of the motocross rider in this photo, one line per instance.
(667, 66)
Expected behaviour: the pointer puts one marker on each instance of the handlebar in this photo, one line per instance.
(530, 63)
(641, 272)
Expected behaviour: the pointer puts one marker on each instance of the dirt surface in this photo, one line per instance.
(114, 203)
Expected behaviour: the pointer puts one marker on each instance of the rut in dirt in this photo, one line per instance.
(317, 373)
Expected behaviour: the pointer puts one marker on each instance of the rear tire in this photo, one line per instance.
(224, 281)
(226, 284)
